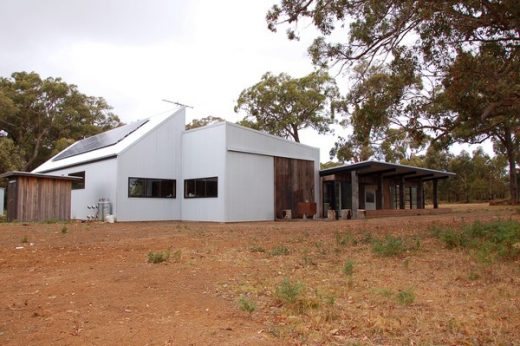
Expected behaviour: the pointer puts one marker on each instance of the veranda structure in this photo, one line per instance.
(375, 185)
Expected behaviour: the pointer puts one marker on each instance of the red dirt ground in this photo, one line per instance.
(91, 283)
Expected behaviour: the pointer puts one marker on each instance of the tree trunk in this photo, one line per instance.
(511, 154)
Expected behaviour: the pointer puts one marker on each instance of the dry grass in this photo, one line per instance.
(237, 284)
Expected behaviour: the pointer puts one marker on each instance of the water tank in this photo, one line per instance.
(104, 209)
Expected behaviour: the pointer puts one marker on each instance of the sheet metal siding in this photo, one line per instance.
(294, 182)
(156, 155)
(254, 142)
(203, 156)
(249, 187)
(37, 199)
(100, 182)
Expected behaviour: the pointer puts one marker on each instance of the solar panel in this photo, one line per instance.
(102, 140)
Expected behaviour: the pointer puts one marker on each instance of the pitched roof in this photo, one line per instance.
(104, 145)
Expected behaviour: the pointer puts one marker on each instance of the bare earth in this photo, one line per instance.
(91, 283)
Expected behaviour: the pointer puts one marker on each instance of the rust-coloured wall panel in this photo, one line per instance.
(293, 183)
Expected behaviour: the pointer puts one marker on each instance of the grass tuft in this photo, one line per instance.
(24, 240)
(280, 250)
(288, 292)
(256, 248)
(246, 304)
(64, 230)
(348, 268)
(158, 257)
(406, 297)
(390, 246)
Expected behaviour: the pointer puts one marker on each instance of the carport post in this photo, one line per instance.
(420, 195)
(401, 193)
(355, 193)
(379, 196)
(435, 198)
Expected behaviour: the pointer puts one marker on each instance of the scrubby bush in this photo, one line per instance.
(288, 292)
(158, 257)
(496, 239)
(279, 250)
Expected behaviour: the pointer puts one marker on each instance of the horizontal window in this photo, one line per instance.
(200, 188)
(151, 188)
(78, 184)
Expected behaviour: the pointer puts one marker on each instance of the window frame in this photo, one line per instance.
(78, 184)
(204, 180)
(148, 190)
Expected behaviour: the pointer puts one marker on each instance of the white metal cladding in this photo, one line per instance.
(249, 187)
(2, 194)
(204, 156)
(155, 155)
(246, 140)
(100, 182)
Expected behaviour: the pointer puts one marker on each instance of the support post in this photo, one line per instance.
(401, 192)
(435, 197)
(420, 195)
(355, 193)
(379, 194)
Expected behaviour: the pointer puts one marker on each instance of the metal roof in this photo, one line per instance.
(111, 151)
(387, 170)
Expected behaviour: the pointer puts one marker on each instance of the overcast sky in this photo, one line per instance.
(135, 53)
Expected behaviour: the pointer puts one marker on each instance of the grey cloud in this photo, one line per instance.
(36, 22)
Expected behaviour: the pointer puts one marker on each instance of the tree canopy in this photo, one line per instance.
(43, 115)
(465, 54)
(203, 122)
(282, 105)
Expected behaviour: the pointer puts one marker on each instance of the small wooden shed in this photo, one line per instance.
(38, 197)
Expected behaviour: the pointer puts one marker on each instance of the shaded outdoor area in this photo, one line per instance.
(265, 283)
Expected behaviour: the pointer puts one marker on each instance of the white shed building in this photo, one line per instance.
(156, 170)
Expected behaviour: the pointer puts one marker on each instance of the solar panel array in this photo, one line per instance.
(102, 140)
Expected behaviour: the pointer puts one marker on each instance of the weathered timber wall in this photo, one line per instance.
(38, 199)
(293, 183)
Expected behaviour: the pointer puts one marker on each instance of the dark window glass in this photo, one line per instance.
(200, 188)
(151, 188)
(79, 184)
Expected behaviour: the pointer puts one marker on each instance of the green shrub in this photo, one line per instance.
(280, 250)
(246, 304)
(158, 257)
(348, 268)
(24, 240)
(406, 297)
(496, 239)
(64, 229)
(288, 292)
(390, 246)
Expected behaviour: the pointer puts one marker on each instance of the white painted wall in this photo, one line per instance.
(2, 194)
(204, 156)
(155, 155)
(100, 182)
(249, 187)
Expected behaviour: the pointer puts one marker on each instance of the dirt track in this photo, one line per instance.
(92, 284)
